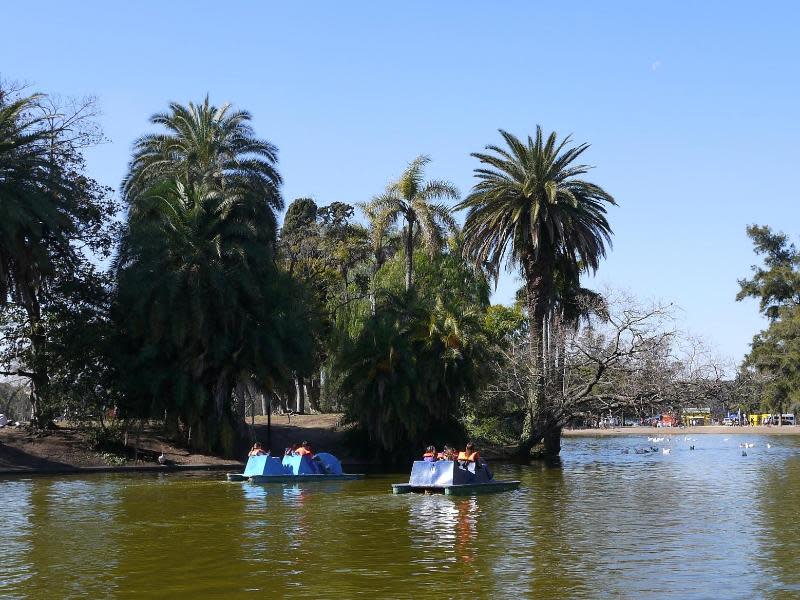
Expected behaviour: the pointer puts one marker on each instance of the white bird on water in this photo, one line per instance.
(769, 445)
(666, 450)
(162, 460)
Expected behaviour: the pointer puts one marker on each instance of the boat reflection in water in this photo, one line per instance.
(443, 529)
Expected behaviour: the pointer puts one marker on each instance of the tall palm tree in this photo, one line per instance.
(197, 288)
(413, 199)
(38, 211)
(382, 241)
(210, 146)
(531, 210)
(35, 211)
(202, 303)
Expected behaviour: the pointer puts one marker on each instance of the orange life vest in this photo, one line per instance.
(302, 451)
(471, 457)
(429, 455)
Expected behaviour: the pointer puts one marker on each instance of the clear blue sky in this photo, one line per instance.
(691, 107)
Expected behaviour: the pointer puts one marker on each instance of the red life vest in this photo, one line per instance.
(429, 455)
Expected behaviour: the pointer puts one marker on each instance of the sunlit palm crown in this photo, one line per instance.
(35, 211)
(531, 209)
(412, 198)
(207, 146)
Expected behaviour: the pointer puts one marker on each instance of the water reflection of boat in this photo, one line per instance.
(291, 469)
(451, 478)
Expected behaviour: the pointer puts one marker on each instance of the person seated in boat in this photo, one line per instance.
(469, 455)
(257, 450)
(290, 450)
(430, 454)
(446, 453)
(472, 456)
(304, 449)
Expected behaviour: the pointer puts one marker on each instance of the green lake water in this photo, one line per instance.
(708, 523)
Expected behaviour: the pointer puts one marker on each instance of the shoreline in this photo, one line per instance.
(66, 450)
(695, 430)
(117, 469)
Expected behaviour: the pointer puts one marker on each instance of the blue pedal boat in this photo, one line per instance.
(451, 478)
(291, 469)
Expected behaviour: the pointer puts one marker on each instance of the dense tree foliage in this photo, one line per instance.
(775, 352)
(206, 317)
(53, 221)
(376, 309)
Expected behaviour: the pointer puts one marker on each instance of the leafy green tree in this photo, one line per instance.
(421, 356)
(325, 251)
(408, 371)
(412, 199)
(301, 214)
(777, 287)
(531, 210)
(52, 219)
(775, 352)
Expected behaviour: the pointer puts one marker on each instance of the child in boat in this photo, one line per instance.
(430, 454)
(447, 453)
(257, 450)
(469, 455)
(304, 449)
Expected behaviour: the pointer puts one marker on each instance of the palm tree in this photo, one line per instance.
(203, 304)
(38, 210)
(531, 210)
(197, 287)
(408, 369)
(382, 241)
(412, 198)
(34, 207)
(209, 146)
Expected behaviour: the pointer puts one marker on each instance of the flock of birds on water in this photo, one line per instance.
(656, 440)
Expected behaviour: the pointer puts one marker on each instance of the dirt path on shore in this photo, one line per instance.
(66, 448)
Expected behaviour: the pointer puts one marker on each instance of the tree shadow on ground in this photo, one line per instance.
(14, 459)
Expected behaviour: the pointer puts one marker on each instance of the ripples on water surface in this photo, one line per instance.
(707, 523)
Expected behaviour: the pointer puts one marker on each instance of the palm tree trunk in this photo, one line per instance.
(314, 392)
(301, 395)
(538, 423)
(409, 253)
(41, 413)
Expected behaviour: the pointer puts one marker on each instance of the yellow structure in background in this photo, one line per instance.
(696, 416)
(758, 419)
